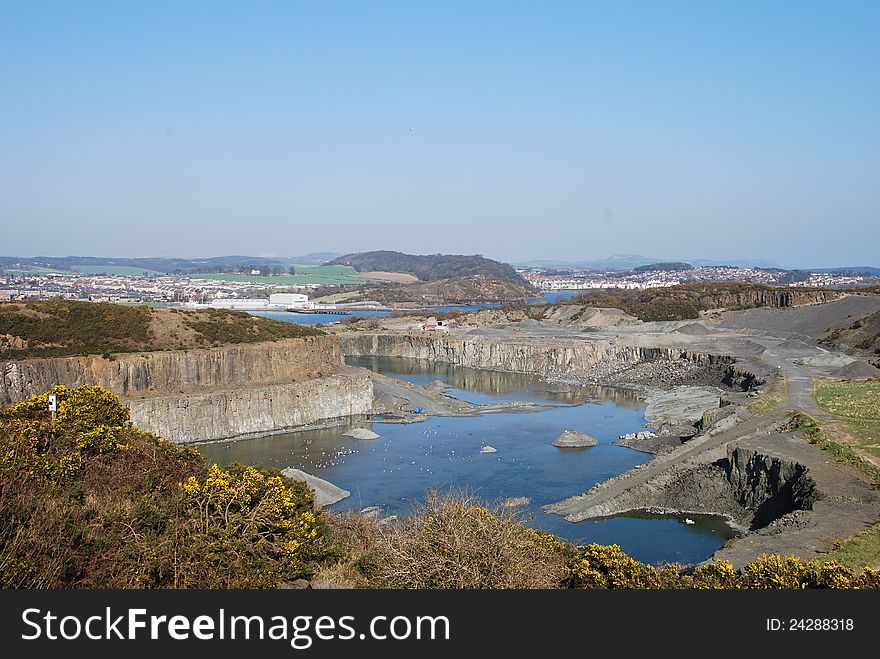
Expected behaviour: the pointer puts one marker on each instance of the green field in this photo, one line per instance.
(305, 274)
(855, 405)
(114, 270)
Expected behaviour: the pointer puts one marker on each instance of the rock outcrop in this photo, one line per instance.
(361, 433)
(574, 439)
(326, 493)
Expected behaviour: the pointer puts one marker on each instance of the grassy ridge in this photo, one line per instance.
(60, 328)
(433, 267)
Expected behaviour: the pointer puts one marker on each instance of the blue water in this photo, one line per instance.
(397, 470)
(555, 296)
(326, 318)
(315, 318)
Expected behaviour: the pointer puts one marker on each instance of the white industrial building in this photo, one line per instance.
(289, 300)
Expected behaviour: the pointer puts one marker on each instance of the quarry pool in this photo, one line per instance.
(409, 460)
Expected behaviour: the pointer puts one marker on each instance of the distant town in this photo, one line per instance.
(645, 277)
(263, 290)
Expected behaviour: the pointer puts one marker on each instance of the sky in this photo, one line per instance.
(518, 130)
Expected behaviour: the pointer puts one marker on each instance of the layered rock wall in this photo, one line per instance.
(155, 373)
(198, 395)
(223, 414)
(542, 357)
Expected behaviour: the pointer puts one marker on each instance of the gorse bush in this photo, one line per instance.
(87, 500)
(606, 566)
(237, 510)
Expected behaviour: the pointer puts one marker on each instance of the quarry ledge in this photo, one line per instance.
(785, 494)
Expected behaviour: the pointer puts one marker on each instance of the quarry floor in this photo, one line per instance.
(770, 343)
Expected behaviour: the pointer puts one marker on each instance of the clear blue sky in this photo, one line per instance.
(513, 129)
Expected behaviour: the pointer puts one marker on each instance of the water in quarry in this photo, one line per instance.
(408, 460)
(327, 318)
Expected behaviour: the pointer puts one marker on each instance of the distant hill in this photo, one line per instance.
(613, 262)
(620, 262)
(865, 270)
(429, 268)
(159, 264)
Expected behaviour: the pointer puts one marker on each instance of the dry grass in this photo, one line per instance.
(395, 277)
(772, 399)
(460, 542)
(859, 551)
(354, 537)
(854, 405)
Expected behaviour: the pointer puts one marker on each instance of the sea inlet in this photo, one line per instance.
(407, 461)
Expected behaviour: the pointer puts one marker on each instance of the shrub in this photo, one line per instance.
(459, 542)
(87, 500)
(606, 566)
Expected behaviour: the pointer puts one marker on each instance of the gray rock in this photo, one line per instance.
(361, 433)
(516, 502)
(634, 436)
(296, 584)
(711, 417)
(325, 584)
(371, 512)
(574, 439)
(326, 493)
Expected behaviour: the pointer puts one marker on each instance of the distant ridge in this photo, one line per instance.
(162, 264)
(620, 262)
(431, 267)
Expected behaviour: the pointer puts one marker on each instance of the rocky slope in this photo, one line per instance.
(863, 335)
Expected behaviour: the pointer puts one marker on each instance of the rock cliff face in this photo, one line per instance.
(774, 298)
(542, 357)
(195, 395)
(767, 486)
(152, 373)
(253, 410)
